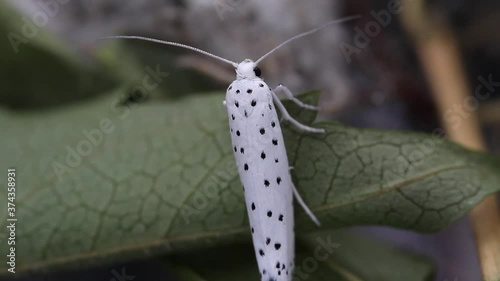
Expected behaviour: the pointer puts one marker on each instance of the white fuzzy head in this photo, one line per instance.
(247, 69)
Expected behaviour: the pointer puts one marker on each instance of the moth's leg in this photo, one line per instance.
(224, 103)
(304, 206)
(290, 96)
(289, 118)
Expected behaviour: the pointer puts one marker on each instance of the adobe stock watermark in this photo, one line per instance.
(217, 181)
(224, 6)
(321, 253)
(121, 276)
(95, 136)
(211, 188)
(458, 112)
(455, 116)
(363, 37)
(31, 26)
(209, 191)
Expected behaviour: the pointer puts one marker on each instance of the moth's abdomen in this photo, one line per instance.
(260, 154)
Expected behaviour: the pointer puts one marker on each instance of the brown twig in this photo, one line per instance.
(437, 50)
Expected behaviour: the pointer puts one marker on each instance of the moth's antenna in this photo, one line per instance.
(173, 44)
(307, 33)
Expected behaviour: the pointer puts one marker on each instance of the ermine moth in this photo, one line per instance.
(259, 149)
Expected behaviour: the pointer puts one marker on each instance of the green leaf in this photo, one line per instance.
(329, 256)
(160, 178)
(367, 259)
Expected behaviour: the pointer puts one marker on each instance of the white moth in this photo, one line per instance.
(261, 158)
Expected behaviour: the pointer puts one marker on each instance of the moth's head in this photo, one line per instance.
(247, 69)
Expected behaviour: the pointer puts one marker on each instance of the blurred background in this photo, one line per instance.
(379, 77)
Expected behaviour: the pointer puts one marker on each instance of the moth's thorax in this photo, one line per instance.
(247, 95)
(246, 70)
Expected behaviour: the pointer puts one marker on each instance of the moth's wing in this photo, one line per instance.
(262, 162)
